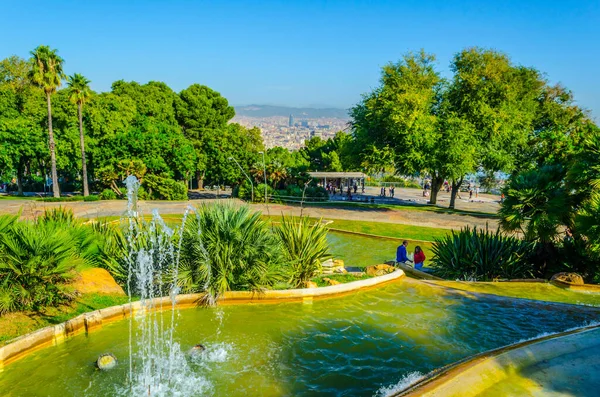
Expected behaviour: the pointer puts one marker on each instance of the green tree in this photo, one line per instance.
(202, 112)
(47, 73)
(494, 103)
(22, 113)
(79, 93)
(400, 119)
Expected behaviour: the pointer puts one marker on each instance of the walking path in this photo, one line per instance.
(401, 215)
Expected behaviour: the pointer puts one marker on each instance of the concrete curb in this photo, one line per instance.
(472, 376)
(93, 321)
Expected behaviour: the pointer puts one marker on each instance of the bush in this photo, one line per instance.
(91, 197)
(37, 261)
(159, 188)
(305, 247)
(108, 194)
(259, 193)
(473, 254)
(226, 248)
(62, 199)
(295, 193)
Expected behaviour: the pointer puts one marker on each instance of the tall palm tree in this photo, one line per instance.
(79, 93)
(47, 73)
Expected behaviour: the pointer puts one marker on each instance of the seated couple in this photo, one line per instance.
(418, 258)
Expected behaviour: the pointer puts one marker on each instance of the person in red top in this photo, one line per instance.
(419, 258)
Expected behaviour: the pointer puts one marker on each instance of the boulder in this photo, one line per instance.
(106, 361)
(311, 284)
(97, 280)
(568, 278)
(327, 263)
(379, 270)
(330, 281)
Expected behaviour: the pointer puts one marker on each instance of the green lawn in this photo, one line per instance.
(399, 206)
(13, 325)
(409, 232)
(6, 197)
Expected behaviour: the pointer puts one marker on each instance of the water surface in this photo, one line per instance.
(357, 345)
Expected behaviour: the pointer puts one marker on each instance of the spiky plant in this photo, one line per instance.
(85, 241)
(305, 247)
(227, 248)
(473, 254)
(37, 261)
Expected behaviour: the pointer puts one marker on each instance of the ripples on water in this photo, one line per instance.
(370, 343)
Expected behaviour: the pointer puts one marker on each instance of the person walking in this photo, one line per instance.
(477, 192)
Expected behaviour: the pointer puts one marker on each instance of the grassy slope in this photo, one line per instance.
(13, 325)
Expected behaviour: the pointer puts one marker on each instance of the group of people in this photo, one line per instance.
(332, 189)
(384, 191)
(418, 257)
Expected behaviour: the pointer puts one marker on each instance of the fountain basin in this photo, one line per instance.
(89, 322)
(541, 366)
(364, 344)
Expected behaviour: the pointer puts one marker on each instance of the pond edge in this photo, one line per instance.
(92, 321)
(473, 375)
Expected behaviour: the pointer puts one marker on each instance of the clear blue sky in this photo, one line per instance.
(300, 53)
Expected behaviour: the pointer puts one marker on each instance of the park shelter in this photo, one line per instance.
(339, 179)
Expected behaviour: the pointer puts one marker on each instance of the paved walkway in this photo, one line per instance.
(117, 207)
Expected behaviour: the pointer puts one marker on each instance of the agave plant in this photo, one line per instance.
(305, 247)
(227, 248)
(473, 254)
(36, 263)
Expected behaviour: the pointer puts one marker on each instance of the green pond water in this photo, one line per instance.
(364, 344)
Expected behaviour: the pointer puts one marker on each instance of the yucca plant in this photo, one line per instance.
(473, 254)
(84, 241)
(305, 247)
(227, 248)
(37, 261)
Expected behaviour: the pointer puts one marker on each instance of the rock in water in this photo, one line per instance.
(379, 270)
(196, 350)
(568, 278)
(106, 361)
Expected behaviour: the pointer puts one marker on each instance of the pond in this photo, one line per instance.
(363, 344)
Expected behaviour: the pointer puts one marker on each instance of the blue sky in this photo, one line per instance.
(301, 53)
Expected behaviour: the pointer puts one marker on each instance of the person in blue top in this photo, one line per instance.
(401, 253)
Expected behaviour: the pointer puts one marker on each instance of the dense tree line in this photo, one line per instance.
(491, 115)
(145, 129)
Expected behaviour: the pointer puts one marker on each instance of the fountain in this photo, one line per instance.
(157, 365)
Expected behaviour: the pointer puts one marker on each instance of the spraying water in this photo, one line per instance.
(157, 365)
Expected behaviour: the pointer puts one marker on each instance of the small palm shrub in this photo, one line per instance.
(305, 247)
(226, 248)
(85, 241)
(37, 261)
(473, 254)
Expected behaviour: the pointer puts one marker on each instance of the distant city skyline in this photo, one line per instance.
(301, 53)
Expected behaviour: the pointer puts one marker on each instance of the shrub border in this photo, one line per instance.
(93, 321)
